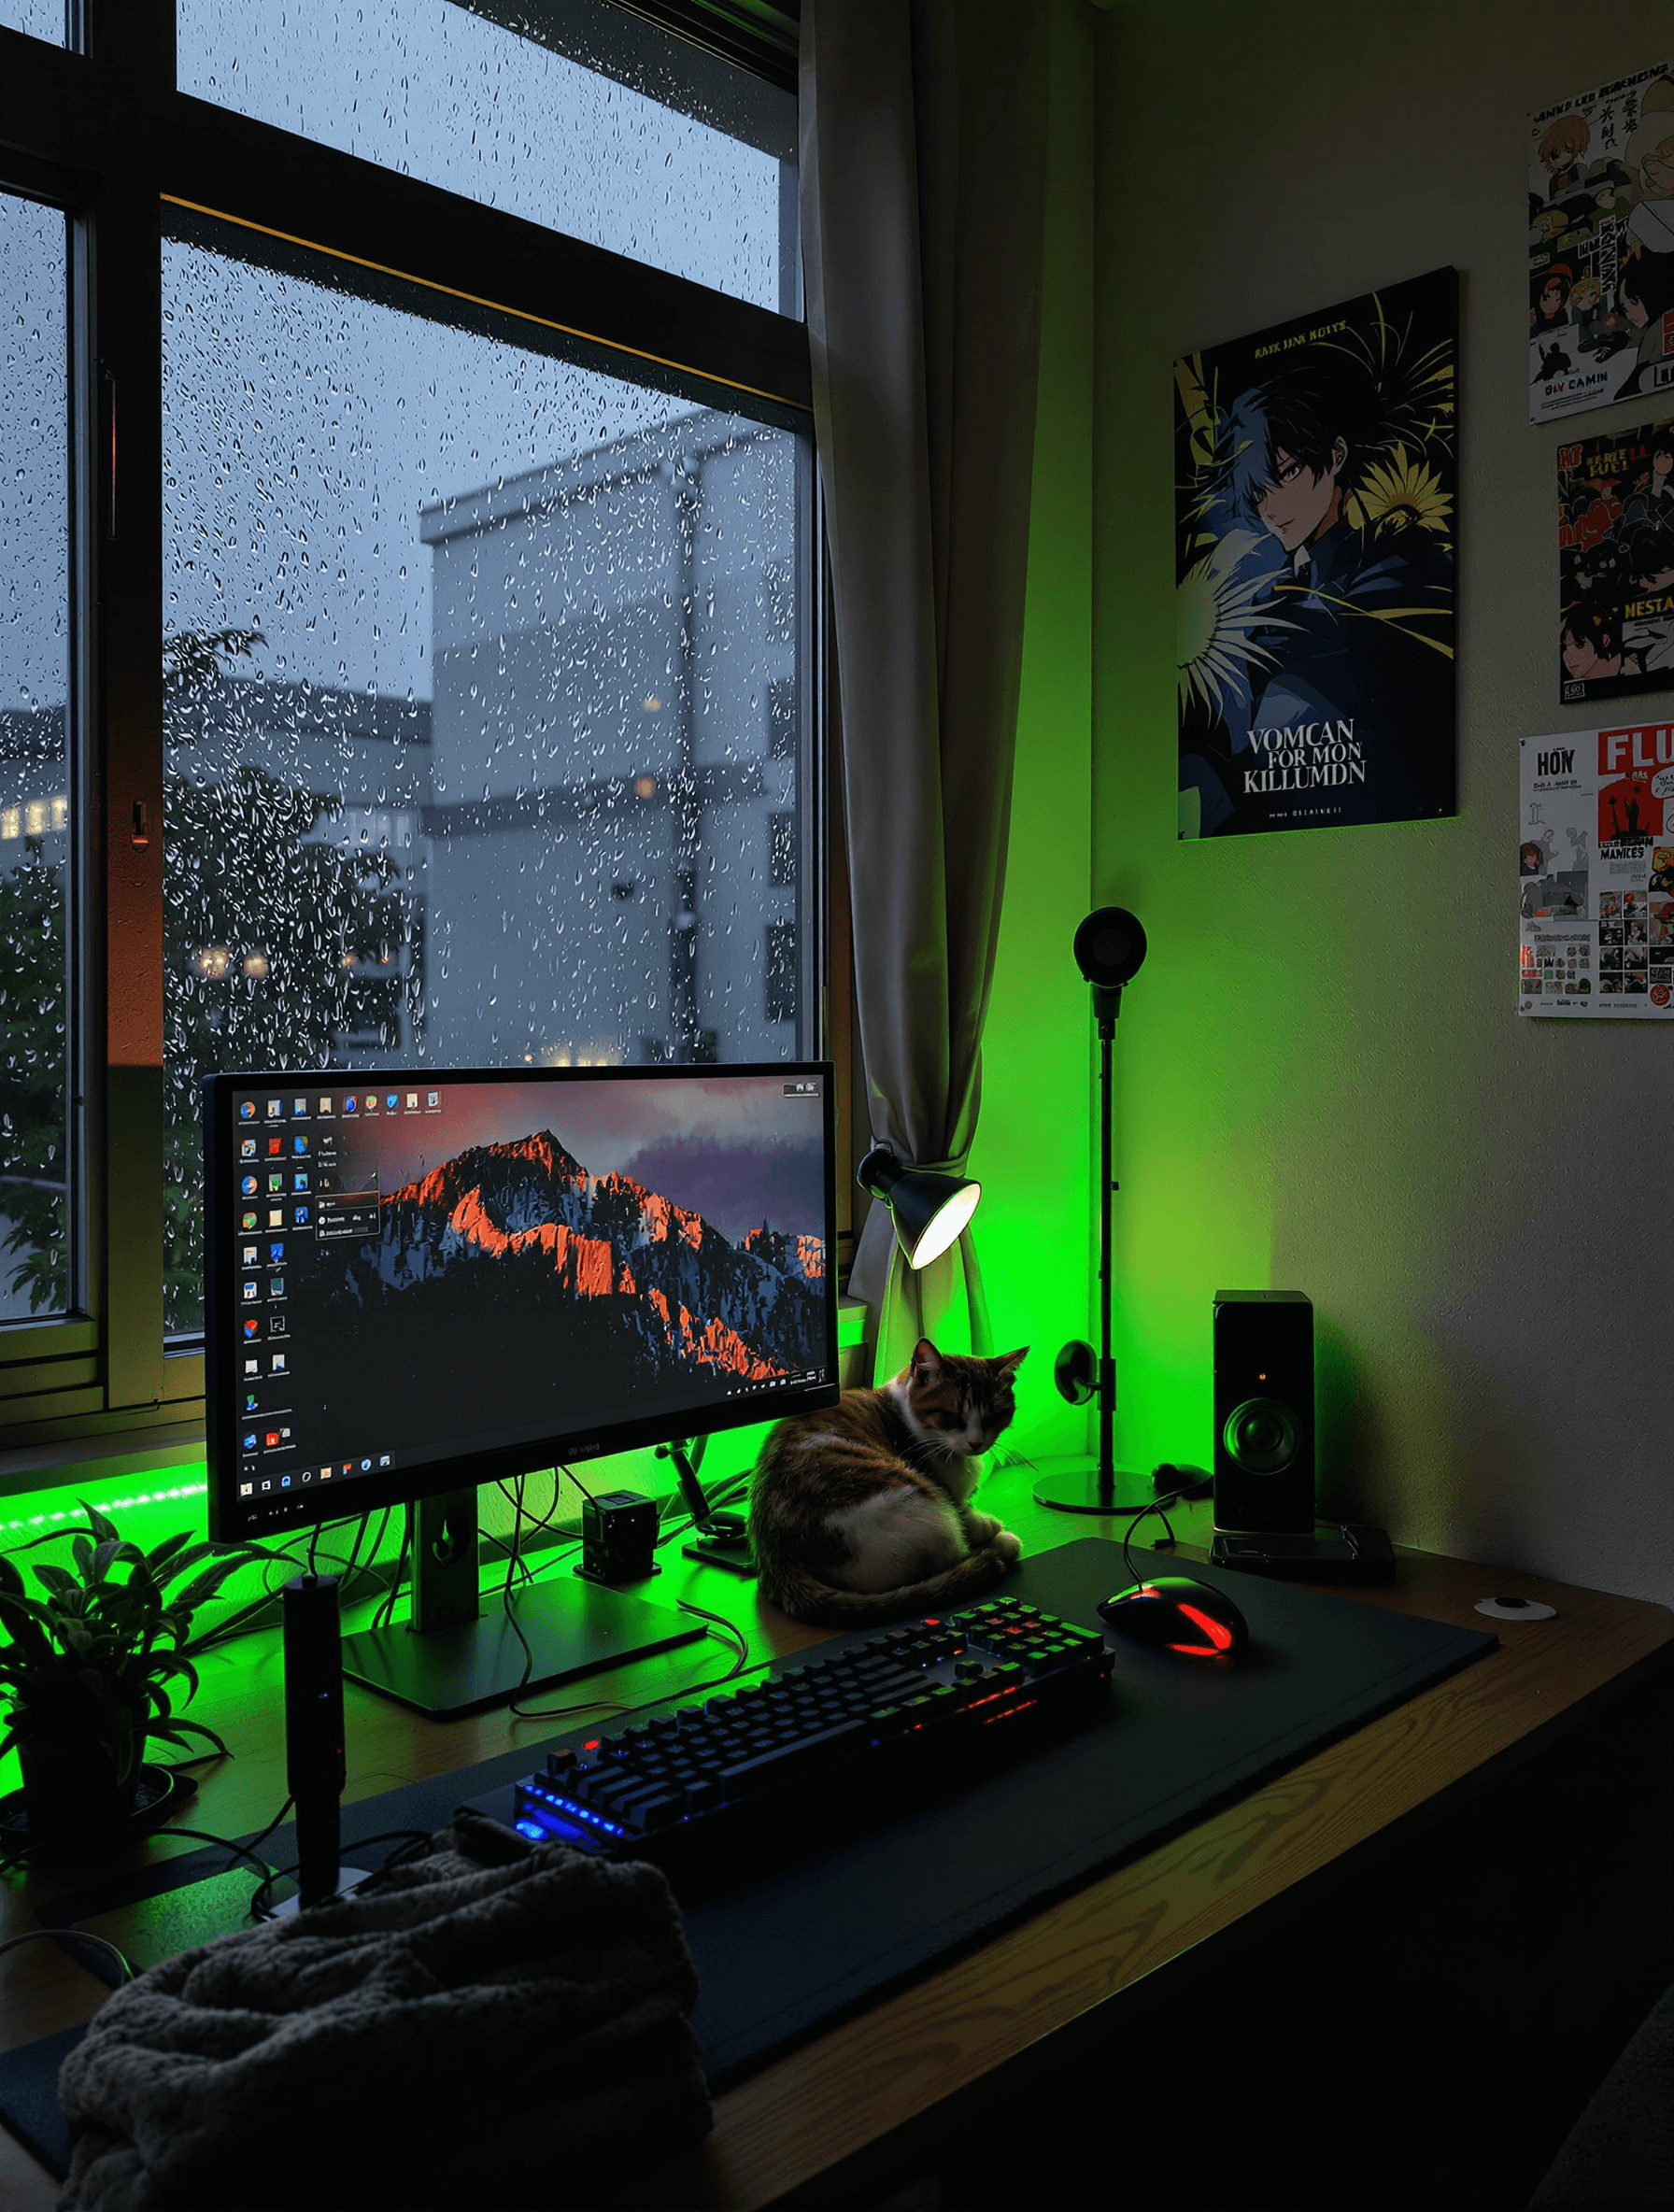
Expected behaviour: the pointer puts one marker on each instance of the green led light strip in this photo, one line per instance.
(36, 1524)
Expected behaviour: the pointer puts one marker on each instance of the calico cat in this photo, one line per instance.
(859, 1512)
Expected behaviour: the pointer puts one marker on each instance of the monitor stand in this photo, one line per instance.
(718, 1540)
(450, 1656)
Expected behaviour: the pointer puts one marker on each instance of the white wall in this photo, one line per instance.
(1326, 1084)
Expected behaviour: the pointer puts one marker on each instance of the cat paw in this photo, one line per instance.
(1006, 1546)
(983, 1529)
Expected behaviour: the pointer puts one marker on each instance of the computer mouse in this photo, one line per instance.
(1178, 1613)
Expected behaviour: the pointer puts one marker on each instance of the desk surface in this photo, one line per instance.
(870, 2080)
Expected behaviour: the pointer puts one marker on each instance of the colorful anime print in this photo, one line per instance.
(1616, 564)
(1601, 245)
(1315, 481)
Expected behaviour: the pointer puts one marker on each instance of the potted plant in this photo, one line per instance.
(92, 1668)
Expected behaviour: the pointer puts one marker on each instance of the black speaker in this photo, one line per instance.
(1264, 1411)
(315, 1764)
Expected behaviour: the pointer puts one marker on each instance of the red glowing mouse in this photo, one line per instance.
(1177, 1613)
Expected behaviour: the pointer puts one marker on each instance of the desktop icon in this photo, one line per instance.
(348, 1467)
(284, 1482)
(246, 1110)
(307, 1474)
(249, 1221)
(275, 1146)
(270, 1436)
(277, 1325)
(349, 1105)
(252, 1255)
(253, 1291)
(365, 1467)
(252, 1328)
(392, 1100)
(247, 1149)
(299, 1144)
(275, 1108)
(249, 1397)
(245, 1489)
(325, 1105)
(412, 1101)
(298, 1105)
(383, 1459)
(249, 1184)
(299, 1182)
(369, 1101)
(252, 1367)
(249, 1442)
(276, 1183)
(275, 1286)
(267, 1486)
(433, 1097)
(325, 1474)
(276, 1253)
(278, 1363)
(299, 1214)
(275, 1217)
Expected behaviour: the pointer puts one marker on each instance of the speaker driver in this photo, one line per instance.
(1261, 1436)
(1110, 946)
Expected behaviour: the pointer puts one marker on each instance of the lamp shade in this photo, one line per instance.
(929, 1211)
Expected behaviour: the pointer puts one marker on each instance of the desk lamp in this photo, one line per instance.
(928, 1210)
(1110, 950)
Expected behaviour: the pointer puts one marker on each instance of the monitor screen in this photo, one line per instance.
(416, 1282)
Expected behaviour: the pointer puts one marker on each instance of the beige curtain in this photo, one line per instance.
(923, 188)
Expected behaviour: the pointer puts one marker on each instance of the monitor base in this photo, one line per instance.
(573, 1628)
(1073, 1486)
(721, 1546)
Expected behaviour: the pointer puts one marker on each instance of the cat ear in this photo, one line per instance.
(1012, 1361)
(927, 1360)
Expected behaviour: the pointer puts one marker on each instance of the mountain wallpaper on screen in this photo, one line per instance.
(510, 1273)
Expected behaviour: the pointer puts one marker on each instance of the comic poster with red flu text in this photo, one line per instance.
(1595, 874)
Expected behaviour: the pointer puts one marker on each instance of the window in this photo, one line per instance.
(450, 499)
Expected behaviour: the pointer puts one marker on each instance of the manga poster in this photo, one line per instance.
(1601, 245)
(1616, 563)
(1595, 874)
(1315, 475)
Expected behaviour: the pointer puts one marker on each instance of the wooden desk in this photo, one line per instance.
(1483, 1786)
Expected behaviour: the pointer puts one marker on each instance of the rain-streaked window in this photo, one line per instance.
(569, 113)
(41, 18)
(483, 687)
(34, 763)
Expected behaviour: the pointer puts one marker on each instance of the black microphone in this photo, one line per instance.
(316, 1768)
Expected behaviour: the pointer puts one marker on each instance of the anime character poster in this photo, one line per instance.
(1595, 874)
(1316, 481)
(1616, 563)
(1601, 245)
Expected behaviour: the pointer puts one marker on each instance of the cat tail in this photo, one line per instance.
(806, 1598)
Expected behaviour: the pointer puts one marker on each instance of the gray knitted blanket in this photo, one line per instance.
(467, 2034)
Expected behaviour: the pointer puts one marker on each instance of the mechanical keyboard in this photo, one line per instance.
(868, 1707)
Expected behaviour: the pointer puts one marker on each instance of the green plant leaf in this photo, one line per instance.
(11, 1581)
(177, 1731)
(59, 1579)
(83, 1550)
(101, 1528)
(204, 1586)
(160, 1554)
(182, 1561)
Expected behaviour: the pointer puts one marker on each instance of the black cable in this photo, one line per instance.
(1157, 1505)
(70, 1936)
(385, 1610)
(561, 1712)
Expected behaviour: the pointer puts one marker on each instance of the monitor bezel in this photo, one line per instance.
(369, 1494)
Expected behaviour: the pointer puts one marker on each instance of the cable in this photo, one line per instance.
(1156, 1506)
(741, 1642)
(70, 1936)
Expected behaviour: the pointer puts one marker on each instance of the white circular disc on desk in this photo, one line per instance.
(1530, 1609)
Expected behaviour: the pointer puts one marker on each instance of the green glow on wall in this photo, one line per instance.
(1033, 1229)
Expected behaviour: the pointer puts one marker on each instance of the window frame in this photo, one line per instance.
(100, 130)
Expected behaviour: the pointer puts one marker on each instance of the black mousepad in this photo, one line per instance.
(795, 1945)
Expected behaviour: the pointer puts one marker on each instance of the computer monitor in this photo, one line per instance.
(419, 1283)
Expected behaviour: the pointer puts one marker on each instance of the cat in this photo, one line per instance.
(861, 1512)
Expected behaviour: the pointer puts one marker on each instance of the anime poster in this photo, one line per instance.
(1314, 488)
(1616, 563)
(1595, 874)
(1601, 245)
